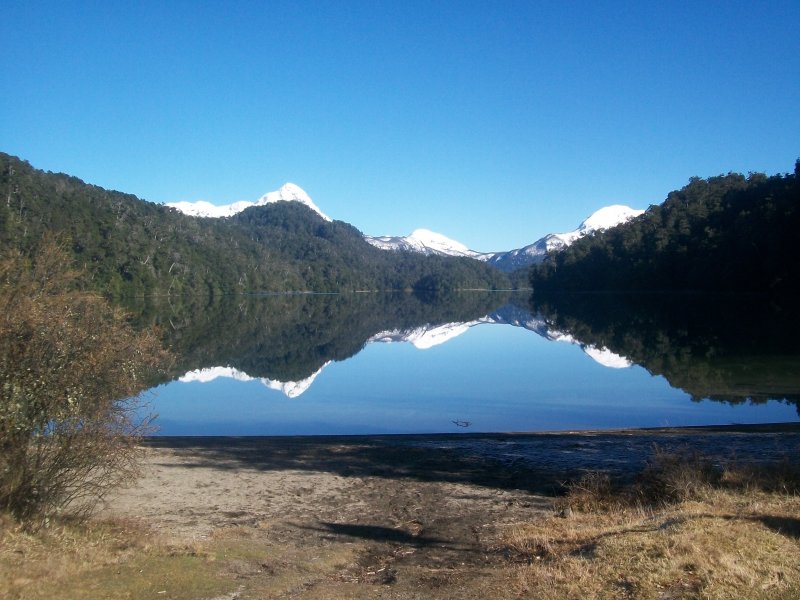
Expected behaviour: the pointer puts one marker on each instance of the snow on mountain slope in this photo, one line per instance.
(430, 242)
(518, 317)
(289, 192)
(424, 337)
(424, 241)
(605, 218)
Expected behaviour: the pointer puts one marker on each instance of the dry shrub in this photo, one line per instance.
(71, 370)
(781, 476)
(593, 492)
(675, 476)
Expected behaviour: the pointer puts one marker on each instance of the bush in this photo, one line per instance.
(71, 371)
(676, 476)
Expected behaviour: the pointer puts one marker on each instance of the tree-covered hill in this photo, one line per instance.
(127, 247)
(728, 233)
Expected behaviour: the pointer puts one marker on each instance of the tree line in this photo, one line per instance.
(730, 233)
(127, 247)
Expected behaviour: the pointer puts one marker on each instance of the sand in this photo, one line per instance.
(416, 509)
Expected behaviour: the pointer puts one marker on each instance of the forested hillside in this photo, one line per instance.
(127, 247)
(729, 233)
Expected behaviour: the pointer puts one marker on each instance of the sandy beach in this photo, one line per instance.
(415, 511)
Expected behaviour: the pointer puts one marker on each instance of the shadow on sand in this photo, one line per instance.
(539, 463)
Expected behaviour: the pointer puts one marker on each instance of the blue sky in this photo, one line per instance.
(491, 122)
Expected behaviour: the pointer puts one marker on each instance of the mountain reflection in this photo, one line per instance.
(725, 349)
(286, 340)
(728, 348)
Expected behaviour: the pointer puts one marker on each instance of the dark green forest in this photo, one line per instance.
(126, 247)
(731, 233)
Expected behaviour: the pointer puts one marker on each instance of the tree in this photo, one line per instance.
(71, 369)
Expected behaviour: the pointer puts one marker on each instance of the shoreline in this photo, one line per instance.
(401, 516)
(780, 427)
(533, 463)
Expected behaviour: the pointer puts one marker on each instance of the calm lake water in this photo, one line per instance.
(477, 362)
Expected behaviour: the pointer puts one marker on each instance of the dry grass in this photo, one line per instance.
(686, 529)
(122, 559)
(116, 559)
(720, 532)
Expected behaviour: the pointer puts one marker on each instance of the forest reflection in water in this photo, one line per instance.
(323, 351)
(729, 348)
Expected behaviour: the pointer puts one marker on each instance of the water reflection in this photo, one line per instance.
(291, 338)
(271, 338)
(498, 361)
(728, 348)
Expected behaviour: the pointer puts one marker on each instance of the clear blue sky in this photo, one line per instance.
(492, 122)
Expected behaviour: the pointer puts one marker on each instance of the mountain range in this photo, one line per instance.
(425, 241)
(126, 248)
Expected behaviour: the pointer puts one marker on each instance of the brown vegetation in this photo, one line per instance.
(685, 529)
(70, 370)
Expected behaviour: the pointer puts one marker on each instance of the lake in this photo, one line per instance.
(473, 362)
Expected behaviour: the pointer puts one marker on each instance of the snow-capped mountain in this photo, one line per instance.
(290, 389)
(424, 241)
(534, 253)
(605, 218)
(289, 192)
(424, 338)
(429, 242)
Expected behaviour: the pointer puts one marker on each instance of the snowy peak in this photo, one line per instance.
(608, 217)
(430, 242)
(289, 192)
(605, 218)
(290, 389)
(424, 337)
(424, 241)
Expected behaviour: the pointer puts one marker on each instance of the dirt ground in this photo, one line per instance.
(389, 517)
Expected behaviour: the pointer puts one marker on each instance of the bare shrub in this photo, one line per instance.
(71, 370)
(675, 476)
(593, 492)
(669, 476)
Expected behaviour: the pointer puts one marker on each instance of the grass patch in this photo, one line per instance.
(119, 559)
(685, 529)
(112, 559)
